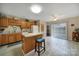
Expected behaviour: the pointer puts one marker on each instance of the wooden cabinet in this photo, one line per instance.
(14, 37)
(0, 39)
(23, 24)
(0, 22)
(18, 36)
(29, 43)
(4, 38)
(3, 22)
(11, 22)
(18, 22)
(29, 25)
(33, 43)
(26, 25)
(11, 38)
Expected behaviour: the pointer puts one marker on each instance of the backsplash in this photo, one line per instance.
(12, 29)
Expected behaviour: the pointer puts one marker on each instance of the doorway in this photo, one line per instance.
(59, 30)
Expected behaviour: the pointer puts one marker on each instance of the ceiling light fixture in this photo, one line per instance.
(53, 18)
(36, 9)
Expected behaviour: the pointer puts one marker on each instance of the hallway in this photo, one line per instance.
(54, 47)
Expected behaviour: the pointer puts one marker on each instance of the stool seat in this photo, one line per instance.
(40, 40)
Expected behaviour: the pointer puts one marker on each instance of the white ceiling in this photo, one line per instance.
(61, 10)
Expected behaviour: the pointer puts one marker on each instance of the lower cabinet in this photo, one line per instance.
(14, 37)
(0, 39)
(10, 38)
(18, 36)
(4, 39)
(28, 44)
(32, 43)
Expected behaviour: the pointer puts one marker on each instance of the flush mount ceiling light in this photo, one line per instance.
(36, 9)
(56, 17)
(53, 18)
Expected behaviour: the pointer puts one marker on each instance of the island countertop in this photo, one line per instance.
(25, 34)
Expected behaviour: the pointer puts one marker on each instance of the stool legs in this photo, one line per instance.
(44, 46)
(35, 47)
(38, 49)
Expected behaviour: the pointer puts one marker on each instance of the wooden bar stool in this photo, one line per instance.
(39, 45)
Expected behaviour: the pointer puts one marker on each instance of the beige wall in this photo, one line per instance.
(69, 21)
(74, 21)
(43, 27)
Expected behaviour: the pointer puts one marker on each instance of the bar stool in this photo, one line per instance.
(39, 47)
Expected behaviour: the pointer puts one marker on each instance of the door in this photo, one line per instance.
(48, 30)
(59, 30)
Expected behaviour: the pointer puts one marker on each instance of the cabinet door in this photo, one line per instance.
(4, 38)
(26, 44)
(11, 22)
(4, 22)
(18, 22)
(0, 21)
(29, 25)
(23, 24)
(12, 38)
(0, 39)
(18, 37)
(32, 43)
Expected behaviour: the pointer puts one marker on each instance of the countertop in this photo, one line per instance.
(8, 33)
(25, 34)
(1, 33)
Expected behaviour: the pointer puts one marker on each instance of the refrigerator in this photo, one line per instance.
(35, 29)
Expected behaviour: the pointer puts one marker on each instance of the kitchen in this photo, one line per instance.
(23, 25)
(14, 30)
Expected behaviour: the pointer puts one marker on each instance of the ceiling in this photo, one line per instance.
(60, 10)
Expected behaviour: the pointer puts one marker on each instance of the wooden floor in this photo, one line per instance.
(54, 47)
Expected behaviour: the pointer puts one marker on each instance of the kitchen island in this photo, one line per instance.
(29, 41)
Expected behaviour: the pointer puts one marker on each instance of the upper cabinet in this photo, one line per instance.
(6, 21)
(11, 21)
(3, 21)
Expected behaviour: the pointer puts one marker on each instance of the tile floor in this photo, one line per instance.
(54, 47)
